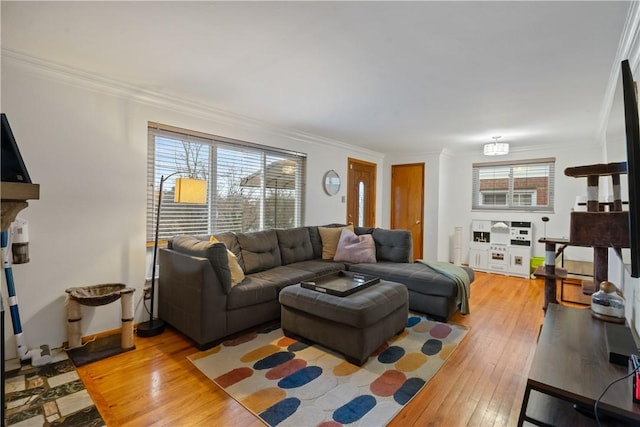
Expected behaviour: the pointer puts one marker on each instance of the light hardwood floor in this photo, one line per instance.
(482, 383)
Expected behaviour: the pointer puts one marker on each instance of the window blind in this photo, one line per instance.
(526, 185)
(250, 187)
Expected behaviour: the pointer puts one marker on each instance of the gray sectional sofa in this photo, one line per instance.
(195, 294)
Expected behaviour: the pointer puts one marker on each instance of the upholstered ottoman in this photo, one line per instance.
(354, 325)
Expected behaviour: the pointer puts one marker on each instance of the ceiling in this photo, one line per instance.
(410, 76)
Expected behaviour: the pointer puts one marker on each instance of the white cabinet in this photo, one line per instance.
(480, 231)
(481, 225)
(499, 246)
(478, 258)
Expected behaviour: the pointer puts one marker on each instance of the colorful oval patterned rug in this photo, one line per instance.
(288, 382)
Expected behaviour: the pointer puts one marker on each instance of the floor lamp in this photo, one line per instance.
(187, 190)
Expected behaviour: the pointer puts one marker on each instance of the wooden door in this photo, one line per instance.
(407, 202)
(361, 193)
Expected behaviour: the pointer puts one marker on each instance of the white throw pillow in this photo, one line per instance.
(354, 248)
(330, 237)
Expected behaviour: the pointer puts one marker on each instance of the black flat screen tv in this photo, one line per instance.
(632, 130)
(13, 168)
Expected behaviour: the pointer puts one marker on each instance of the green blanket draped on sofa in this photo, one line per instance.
(458, 275)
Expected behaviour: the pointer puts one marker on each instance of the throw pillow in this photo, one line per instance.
(354, 248)
(330, 237)
(237, 275)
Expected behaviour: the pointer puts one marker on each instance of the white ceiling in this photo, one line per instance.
(412, 76)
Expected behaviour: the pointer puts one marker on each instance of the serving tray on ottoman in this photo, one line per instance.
(341, 284)
(355, 325)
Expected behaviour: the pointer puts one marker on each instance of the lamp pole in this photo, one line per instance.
(154, 327)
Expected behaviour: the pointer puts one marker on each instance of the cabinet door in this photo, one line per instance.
(478, 258)
(519, 261)
(480, 225)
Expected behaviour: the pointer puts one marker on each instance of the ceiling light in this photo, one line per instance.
(496, 148)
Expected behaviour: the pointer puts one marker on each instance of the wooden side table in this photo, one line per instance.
(571, 366)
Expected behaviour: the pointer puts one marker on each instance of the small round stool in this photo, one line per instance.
(94, 296)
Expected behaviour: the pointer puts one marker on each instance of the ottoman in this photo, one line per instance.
(354, 325)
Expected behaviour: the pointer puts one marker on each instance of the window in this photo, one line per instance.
(525, 185)
(361, 195)
(249, 187)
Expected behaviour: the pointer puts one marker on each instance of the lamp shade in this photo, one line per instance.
(189, 190)
(496, 149)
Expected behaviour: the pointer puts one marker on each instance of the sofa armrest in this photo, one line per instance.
(191, 297)
(215, 252)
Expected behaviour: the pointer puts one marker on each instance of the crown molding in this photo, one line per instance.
(628, 48)
(101, 84)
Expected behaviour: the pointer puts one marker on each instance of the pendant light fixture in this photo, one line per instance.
(496, 148)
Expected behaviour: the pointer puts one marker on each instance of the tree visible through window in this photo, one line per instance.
(250, 187)
(524, 185)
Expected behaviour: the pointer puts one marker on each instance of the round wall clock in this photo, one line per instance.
(331, 182)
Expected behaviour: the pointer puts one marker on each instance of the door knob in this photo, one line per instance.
(418, 222)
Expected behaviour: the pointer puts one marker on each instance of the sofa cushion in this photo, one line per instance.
(237, 275)
(216, 253)
(330, 237)
(353, 248)
(393, 245)
(363, 230)
(319, 267)
(416, 277)
(284, 275)
(295, 245)
(316, 241)
(260, 250)
(229, 238)
(251, 291)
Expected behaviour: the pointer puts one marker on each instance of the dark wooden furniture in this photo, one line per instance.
(599, 228)
(596, 228)
(579, 275)
(14, 199)
(549, 271)
(571, 366)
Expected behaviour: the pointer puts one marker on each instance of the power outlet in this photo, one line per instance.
(147, 290)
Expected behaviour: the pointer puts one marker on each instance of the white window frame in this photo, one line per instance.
(510, 171)
(239, 185)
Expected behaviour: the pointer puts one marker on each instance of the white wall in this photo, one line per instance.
(432, 202)
(567, 154)
(619, 274)
(448, 196)
(84, 140)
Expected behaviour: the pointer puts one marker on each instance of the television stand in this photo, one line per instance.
(571, 367)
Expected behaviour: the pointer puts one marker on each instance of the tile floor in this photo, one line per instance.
(50, 395)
